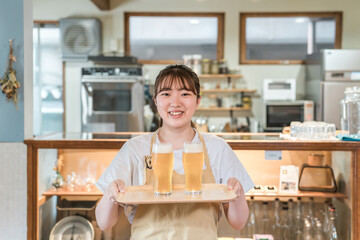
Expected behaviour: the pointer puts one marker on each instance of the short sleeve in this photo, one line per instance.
(120, 168)
(231, 166)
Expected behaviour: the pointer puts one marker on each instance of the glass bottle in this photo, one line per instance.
(307, 231)
(332, 234)
(311, 211)
(319, 235)
(298, 208)
(291, 211)
(276, 223)
(298, 220)
(326, 216)
(350, 110)
(287, 231)
(250, 225)
(264, 221)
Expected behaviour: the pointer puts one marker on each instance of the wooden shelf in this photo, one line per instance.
(298, 194)
(221, 76)
(227, 90)
(223, 109)
(94, 191)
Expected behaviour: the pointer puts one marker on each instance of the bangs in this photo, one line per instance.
(180, 79)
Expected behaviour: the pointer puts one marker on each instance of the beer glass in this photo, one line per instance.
(162, 164)
(193, 161)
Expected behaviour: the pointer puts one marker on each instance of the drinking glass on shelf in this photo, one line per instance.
(162, 165)
(321, 126)
(193, 161)
(330, 130)
(294, 129)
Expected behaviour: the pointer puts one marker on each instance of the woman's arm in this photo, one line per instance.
(236, 211)
(108, 211)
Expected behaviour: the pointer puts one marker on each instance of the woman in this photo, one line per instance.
(177, 95)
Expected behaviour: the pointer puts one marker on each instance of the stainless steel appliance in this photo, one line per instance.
(278, 114)
(328, 75)
(112, 99)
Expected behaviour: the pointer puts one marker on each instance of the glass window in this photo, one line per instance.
(48, 84)
(166, 37)
(286, 38)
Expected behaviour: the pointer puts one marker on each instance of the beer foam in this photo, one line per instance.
(193, 147)
(162, 148)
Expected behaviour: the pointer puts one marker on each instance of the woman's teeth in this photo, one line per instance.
(175, 113)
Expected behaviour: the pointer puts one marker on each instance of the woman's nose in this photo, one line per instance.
(175, 100)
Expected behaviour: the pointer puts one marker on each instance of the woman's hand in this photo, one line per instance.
(234, 184)
(108, 210)
(114, 188)
(237, 210)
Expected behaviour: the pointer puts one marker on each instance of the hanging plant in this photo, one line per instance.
(8, 82)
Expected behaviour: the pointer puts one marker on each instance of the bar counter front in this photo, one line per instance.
(343, 157)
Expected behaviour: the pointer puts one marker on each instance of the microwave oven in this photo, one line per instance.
(278, 114)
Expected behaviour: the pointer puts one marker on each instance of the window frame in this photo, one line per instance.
(38, 23)
(220, 38)
(244, 15)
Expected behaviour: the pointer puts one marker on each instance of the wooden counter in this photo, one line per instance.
(237, 141)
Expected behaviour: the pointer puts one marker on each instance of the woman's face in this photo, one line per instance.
(176, 106)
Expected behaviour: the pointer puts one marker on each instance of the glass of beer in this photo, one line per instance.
(193, 161)
(162, 164)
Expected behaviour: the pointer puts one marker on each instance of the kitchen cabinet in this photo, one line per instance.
(348, 194)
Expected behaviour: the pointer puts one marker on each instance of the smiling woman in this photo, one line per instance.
(176, 97)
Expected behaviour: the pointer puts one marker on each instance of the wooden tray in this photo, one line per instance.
(145, 195)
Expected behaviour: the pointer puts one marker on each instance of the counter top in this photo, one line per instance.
(237, 141)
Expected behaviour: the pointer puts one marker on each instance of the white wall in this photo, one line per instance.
(13, 191)
(113, 27)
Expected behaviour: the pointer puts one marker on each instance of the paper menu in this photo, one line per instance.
(289, 179)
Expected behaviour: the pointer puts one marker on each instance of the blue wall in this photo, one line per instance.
(12, 27)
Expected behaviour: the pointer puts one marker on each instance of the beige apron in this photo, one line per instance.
(177, 221)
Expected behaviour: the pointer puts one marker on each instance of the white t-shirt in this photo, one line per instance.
(128, 164)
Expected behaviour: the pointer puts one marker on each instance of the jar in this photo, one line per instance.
(206, 66)
(316, 159)
(223, 69)
(350, 110)
(246, 101)
(213, 100)
(214, 67)
(197, 63)
(188, 61)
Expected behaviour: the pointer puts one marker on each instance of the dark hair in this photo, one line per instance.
(181, 74)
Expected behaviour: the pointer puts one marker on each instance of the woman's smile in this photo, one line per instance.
(176, 114)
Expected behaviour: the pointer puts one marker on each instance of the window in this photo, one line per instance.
(165, 37)
(287, 38)
(48, 84)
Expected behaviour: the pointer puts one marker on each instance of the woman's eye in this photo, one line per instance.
(186, 94)
(165, 94)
